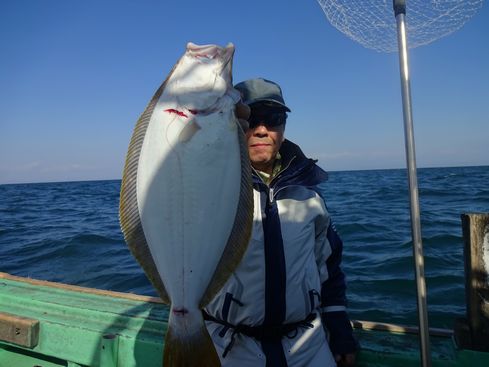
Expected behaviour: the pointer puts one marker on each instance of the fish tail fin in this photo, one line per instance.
(195, 350)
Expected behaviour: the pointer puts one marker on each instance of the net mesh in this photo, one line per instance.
(372, 22)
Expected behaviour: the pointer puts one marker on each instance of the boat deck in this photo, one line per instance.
(45, 324)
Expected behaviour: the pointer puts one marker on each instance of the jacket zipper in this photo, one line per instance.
(271, 189)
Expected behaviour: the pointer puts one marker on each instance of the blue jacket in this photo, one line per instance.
(290, 270)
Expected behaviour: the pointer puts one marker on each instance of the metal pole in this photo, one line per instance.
(400, 11)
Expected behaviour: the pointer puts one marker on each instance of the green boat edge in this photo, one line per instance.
(50, 324)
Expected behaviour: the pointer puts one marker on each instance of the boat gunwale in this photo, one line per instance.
(77, 288)
(356, 324)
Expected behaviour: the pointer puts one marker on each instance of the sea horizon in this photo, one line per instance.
(329, 171)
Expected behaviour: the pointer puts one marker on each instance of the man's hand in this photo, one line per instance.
(242, 112)
(341, 341)
(345, 360)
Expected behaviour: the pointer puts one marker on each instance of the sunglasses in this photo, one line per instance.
(268, 118)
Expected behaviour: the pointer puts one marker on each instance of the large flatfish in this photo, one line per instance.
(186, 198)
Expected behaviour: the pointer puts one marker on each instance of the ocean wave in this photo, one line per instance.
(69, 232)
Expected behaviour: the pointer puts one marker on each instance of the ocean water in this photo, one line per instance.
(69, 232)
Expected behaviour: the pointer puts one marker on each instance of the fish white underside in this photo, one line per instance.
(186, 214)
(186, 202)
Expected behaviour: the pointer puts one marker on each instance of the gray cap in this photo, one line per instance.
(261, 90)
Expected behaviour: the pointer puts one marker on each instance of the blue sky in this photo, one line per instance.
(75, 76)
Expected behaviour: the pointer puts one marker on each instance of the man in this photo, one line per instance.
(289, 283)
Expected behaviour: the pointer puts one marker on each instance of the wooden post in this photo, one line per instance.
(476, 263)
(109, 350)
(19, 330)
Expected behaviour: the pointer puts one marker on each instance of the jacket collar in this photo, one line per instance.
(297, 169)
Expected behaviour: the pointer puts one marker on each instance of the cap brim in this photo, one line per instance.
(267, 100)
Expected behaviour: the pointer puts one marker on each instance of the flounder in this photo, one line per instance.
(186, 201)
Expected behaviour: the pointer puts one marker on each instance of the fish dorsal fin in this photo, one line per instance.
(129, 218)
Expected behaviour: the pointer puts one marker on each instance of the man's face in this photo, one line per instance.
(265, 136)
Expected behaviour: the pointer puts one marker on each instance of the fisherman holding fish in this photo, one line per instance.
(244, 254)
(286, 298)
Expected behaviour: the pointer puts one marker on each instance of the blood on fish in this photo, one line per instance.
(179, 113)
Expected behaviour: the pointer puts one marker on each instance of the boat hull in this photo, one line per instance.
(89, 327)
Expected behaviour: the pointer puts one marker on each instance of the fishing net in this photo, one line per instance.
(372, 23)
